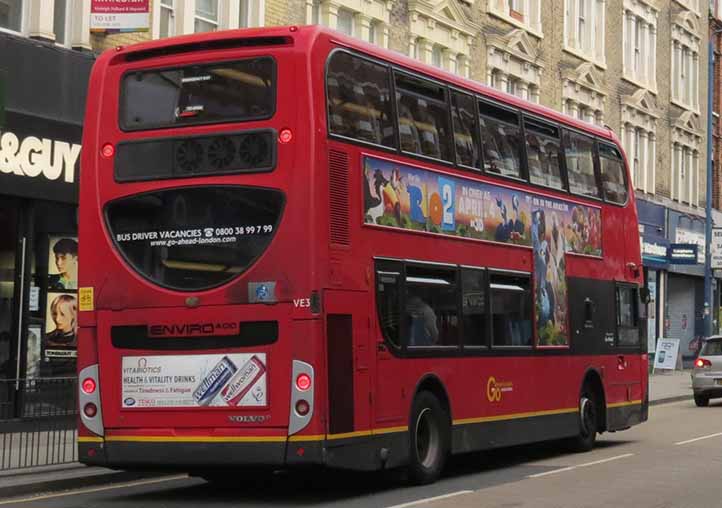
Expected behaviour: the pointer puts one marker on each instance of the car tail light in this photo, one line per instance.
(702, 363)
(285, 136)
(90, 410)
(89, 385)
(303, 382)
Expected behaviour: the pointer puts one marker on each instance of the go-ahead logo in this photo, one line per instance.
(495, 388)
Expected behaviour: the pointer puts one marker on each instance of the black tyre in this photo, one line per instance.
(588, 422)
(428, 439)
(701, 400)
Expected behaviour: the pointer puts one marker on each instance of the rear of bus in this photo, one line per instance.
(192, 351)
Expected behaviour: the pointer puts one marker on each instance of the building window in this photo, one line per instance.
(685, 61)
(11, 14)
(345, 22)
(685, 174)
(206, 17)
(61, 20)
(167, 19)
(584, 28)
(522, 13)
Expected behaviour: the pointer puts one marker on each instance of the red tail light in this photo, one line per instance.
(285, 136)
(108, 150)
(702, 363)
(303, 382)
(88, 385)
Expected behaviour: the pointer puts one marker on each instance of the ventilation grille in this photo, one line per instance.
(158, 158)
(338, 195)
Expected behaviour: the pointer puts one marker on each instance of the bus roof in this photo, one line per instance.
(300, 36)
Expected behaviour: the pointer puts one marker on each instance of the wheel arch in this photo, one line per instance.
(432, 384)
(593, 379)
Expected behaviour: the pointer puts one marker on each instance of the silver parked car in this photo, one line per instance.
(707, 374)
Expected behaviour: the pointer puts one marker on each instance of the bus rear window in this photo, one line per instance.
(220, 92)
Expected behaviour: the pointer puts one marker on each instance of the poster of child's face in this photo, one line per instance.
(63, 263)
(61, 321)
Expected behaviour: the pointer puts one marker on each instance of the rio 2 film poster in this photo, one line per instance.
(401, 196)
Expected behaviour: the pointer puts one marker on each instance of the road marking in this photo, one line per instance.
(563, 469)
(94, 489)
(432, 499)
(698, 439)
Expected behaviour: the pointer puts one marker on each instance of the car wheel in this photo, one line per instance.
(588, 423)
(701, 400)
(428, 439)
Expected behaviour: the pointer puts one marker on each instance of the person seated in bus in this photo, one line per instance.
(408, 133)
(423, 330)
(367, 123)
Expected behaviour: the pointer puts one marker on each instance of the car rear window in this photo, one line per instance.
(219, 92)
(712, 348)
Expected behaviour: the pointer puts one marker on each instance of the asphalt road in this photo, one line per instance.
(672, 461)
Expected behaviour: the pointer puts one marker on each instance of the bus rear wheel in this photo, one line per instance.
(428, 439)
(588, 422)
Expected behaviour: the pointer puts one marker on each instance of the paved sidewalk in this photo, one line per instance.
(664, 386)
(669, 386)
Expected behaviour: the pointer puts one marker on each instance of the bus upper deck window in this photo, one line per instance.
(543, 147)
(579, 154)
(242, 90)
(466, 132)
(501, 139)
(359, 100)
(612, 172)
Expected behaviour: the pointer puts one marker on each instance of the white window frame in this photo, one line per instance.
(639, 30)
(584, 30)
(529, 9)
(24, 20)
(685, 59)
(371, 18)
(68, 42)
(215, 22)
(173, 22)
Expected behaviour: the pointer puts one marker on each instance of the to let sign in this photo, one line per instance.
(119, 15)
(716, 248)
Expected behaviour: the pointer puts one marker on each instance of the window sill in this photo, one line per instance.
(684, 106)
(506, 17)
(650, 87)
(579, 54)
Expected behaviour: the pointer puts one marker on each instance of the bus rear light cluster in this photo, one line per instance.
(89, 400)
(702, 363)
(302, 392)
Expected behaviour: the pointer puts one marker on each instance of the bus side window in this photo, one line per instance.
(611, 167)
(543, 149)
(627, 316)
(511, 309)
(388, 301)
(423, 117)
(579, 155)
(359, 99)
(502, 141)
(431, 312)
(473, 307)
(466, 133)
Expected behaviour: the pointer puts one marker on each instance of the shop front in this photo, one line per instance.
(39, 168)
(655, 247)
(684, 308)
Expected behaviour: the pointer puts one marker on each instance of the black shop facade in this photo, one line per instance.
(44, 94)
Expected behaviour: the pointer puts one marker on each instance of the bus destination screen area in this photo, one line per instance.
(194, 238)
(221, 92)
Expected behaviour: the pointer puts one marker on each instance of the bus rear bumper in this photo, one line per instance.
(186, 456)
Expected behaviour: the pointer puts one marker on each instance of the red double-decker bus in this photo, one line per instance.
(299, 249)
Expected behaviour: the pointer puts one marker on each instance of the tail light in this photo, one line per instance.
(302, 388)
(702, 363)
(89, 400)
